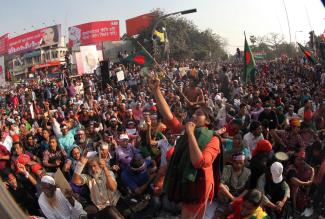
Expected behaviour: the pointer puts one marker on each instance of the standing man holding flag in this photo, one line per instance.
(249, 64)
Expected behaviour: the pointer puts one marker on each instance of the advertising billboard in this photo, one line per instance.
(94, 32)
(137, 24)
(3, 44)
(2, 71)
(47, 36)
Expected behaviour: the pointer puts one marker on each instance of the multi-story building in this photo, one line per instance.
(45, 61)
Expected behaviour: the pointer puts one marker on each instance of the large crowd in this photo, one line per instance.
(115, 143)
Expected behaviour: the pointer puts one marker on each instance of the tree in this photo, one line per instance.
(273, 45)
(286, 48)
(274, 40)
(253, 39)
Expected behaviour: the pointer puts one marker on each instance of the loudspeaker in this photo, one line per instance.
(104, 72)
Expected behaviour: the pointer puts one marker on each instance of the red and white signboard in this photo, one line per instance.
(2, 71)
(3, 44)
(94, 32)
(32, 40)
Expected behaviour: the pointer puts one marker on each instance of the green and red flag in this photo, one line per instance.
(140, 58)
(310, 56)
(249, 63)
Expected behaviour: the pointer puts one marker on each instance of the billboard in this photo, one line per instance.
(3, 44)
(94, 32)
(89, 58)
(2, 71)
(137, 24)
(46, 36)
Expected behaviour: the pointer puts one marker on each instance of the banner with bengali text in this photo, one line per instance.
(94, 32)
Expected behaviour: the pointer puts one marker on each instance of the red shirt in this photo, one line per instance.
(236, 209)
(229, 130)
(3, 152)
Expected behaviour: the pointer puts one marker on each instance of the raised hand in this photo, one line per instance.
(83, 158)
(154, 83)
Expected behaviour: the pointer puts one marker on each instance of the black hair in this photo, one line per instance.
(5, 174)
(254, 196)
(265, 123)
(29, 135)
(136, 162)
(242, 105)
(20, 145)
(317, 146)
(254, 125)
(209, 115)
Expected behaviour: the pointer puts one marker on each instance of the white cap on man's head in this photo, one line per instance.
(48, 179)
(276, 171)
(217, 98)
(124, 137)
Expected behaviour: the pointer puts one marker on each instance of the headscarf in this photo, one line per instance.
(262, 146)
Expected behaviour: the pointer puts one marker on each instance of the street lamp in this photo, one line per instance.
(165, 31)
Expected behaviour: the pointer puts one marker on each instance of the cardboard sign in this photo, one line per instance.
(91, 154)
(61, 181)
(131, 131)
(120, 75)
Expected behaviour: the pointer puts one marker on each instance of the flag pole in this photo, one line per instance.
(163, 70)
(244, 73)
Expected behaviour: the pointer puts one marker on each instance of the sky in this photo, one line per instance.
(228, 18)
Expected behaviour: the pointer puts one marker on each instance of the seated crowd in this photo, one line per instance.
(113, 149)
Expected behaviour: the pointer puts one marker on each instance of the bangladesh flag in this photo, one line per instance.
(140, 58)
(249, 63)
(308, 54)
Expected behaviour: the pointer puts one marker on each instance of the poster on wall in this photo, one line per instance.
(89, 58)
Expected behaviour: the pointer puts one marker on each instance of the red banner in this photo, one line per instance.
(32, 40)
(137, 24)
(45, 65)
(94, 32)
(3, 44)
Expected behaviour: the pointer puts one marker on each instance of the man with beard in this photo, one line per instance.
(55, 204)
(102, 185)
(82, 141)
